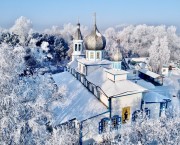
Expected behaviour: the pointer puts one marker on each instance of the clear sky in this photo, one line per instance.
(45, 13)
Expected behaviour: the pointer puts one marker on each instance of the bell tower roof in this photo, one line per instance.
(78, 35)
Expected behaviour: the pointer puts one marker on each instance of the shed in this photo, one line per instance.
(150, 76)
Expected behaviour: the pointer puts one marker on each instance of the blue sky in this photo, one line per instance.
(45, 13)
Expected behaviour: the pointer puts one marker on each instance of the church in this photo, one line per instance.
(99, 91)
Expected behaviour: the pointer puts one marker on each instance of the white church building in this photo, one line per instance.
(98, 89)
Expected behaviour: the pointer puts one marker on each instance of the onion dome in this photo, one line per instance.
(95, 41)
(78, 35)
(117, 56)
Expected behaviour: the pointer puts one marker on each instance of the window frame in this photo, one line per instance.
(98, 55)
(91, 55)
(79, 46)
(75, 47)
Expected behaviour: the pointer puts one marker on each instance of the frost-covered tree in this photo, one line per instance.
(159, 54)
(63, 136)
(137, 40)
(22, 28)
(23, 100)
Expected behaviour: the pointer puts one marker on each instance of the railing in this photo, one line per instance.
(89, 85)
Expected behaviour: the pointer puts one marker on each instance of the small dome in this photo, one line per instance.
(117, 56)
(78, 35)
(95, 41)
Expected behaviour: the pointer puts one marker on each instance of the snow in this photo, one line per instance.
(80, 104)
(98, 73)
(44, 46)
(73, 64)
(153, 97)
(110, 88)
(98, 34)
(124, 87)
(140, 59)
(149, 73)
(97, 62)
(116, 72)
(145, 84)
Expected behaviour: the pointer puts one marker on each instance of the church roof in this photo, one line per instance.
(73, 64)
(97, 62)
(95, 40)
(153, 97)
(110, 88)
(149, 73)
(80, 104)
(78, 35)
(117, 72)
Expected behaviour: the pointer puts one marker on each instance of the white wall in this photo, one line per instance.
(120, 77)
(133, 101)
(116, 77)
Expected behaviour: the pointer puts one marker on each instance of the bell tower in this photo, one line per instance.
(78, 44)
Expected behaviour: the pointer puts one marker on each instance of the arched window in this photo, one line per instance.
(137, 114)
(162, 108)
(115, 122)
(104, 125)
(75, 47)
(147, 111)
(79, 47)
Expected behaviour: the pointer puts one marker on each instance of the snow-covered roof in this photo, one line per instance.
(110, 88)
(153, 97)
(80, 104)
(99, 73)
(140, 59)
(149, 73)
(123, 87)
(97, 62)
(73, 64)
(144, 84)
(116, 72)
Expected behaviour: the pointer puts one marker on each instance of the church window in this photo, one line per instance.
(91, 55)
(84, 69)
(92, 89)
(75, 47)
(103, 125)
(79, 47)
(98, 55)
(162, 108)
(137, 114)
(115, 122)
(147, 111)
